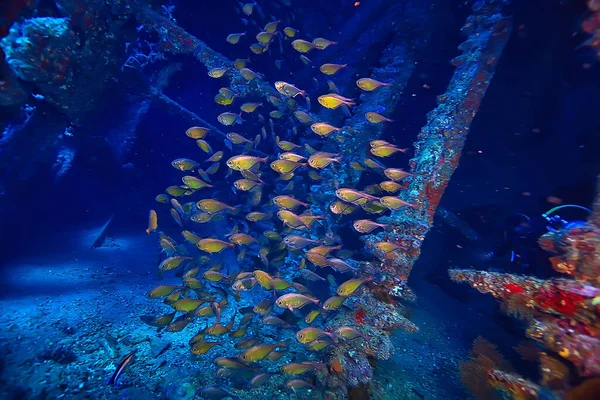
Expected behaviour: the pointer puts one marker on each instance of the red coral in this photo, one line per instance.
(513, 288)
(359, 317)
(558, 300)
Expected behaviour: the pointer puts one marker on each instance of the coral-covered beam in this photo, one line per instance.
(591, 25)
(176, 108)
(176, 40)
(440, 142)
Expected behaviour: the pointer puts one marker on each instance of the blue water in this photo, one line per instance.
(94, 105)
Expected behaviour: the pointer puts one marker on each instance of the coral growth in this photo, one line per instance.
(562, 315)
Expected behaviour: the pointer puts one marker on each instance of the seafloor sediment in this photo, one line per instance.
(70, 315)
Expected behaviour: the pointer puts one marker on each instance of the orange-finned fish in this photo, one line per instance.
(120, 368)
(366, 226)
(368, 84)
(322, 43)
(152, 222)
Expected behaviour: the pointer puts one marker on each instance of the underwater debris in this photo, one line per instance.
(562, 315)
(271, 175)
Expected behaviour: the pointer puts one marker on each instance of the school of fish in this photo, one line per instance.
(275, 224)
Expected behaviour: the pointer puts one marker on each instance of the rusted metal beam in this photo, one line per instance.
(441, 140)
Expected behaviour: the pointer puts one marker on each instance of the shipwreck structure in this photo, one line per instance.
(55, 61)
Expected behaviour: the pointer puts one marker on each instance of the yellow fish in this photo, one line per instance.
(285, 166)
(373, 164)
(303, 117)
(203, 347)
(242, 239)
(184, 164)
(175, 191)
(377, 143)
(310, 317)
(276, 114)
(228, 118)
(333, 101)
(387, 247)
(323, 250)
(214, 276)
(272, 235)
(203, 144)
(394, 203)
(367, 226)
(307, 335)
(330, 69)
(368, 84)
(293, 301)
(291, 157)
(213, 245)
(236, 138)
(317, 345)
(324, 129)
(234, 38)
(320, 161)
(349, 333)
(161, 291)
(264, 279)
(259, 352)
(152, 222)
(240, 63)
(197, 132)
(390, 186)
(297, 242)
(287, 146)
(246, 185)
(258, 48)
(172, 262)
(271, 27)
(160, 321)
(257, 216)
(302, 46)
(350, 286)
(243, 163)
(215, 157)
(396, 174)
(288, 202)
(376, 118)
(250, 107)
(248, 74)
(187, 305)
(224, 100)
(213, 206)
(195, 183)
(227, 92)
(333, 303)
(354, 196)
(386, 151)
(321, 43)
(300, 368)
(265, 37)
(290, 32)
(191, 238)
(357, 166)
(290, 219)
(217, 72)
(248, 8)
(314, 175)
(288, 90)
(162, 198)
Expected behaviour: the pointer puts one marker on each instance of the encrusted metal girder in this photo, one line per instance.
(177, 40)
(441, 140)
